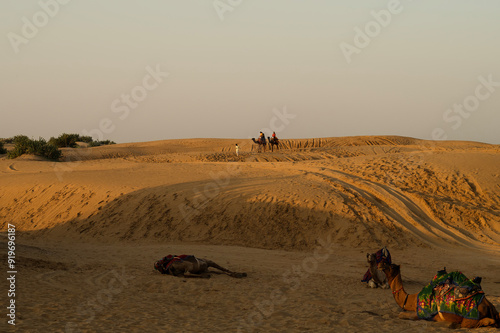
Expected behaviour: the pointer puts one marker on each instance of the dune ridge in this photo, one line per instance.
(363, 190)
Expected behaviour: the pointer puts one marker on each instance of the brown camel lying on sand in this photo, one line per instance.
(488, 315)
(190, 266)
(375, 277)
(378, 277)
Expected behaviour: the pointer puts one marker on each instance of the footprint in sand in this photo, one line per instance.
(12, 168)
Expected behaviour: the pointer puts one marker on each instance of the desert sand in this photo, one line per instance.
(299, 221)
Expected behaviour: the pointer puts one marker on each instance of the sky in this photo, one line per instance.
(133, 71)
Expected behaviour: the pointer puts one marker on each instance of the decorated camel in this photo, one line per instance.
(375, 277)
(450, 297)
(190, 266)
(379, 279)
(260, 143)
(274, 141)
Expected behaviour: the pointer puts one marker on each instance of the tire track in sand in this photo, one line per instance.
(408, 211)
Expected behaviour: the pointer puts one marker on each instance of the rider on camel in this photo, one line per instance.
(274, 138)
(262, 138)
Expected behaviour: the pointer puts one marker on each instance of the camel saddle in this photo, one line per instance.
(450, 293)
(163, 265)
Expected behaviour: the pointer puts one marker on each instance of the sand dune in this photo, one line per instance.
(431, 203)
(396, 191)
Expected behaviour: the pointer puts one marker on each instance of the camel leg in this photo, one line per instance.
(486, 322)
(204, 275)
(471, 323)
(468, 323)
(385, 286)
(408, 315)
(210, 263)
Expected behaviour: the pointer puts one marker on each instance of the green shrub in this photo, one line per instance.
(21, 143)
(40, 147)
(16, 152)
(70, 140)
(2, 149)
(21, 139)
(65, 140)
(86, 139)
(101, 143)
(51, 152)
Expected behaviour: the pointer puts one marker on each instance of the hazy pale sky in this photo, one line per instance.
(146, 70)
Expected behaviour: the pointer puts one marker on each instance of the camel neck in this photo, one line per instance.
(399, 293)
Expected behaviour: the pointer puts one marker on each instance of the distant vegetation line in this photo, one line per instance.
(25, 145)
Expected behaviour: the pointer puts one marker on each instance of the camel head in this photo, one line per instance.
(391, 271)
(371, 258)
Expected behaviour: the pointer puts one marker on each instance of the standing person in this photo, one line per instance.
(237, 150)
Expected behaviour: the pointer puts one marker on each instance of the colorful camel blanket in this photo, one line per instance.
(450, 293)
(382, 255)
(163, 265)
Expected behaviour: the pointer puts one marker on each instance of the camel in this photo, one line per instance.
(487, 313)
(378, 278)
(260, 144)
(191, 267)
(274, 142)
(375, 277)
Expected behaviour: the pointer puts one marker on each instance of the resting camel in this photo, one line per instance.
(274, 142)
(190, 266)
(260, 144)
(373, 276)
(378, 278)
(488, 315)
